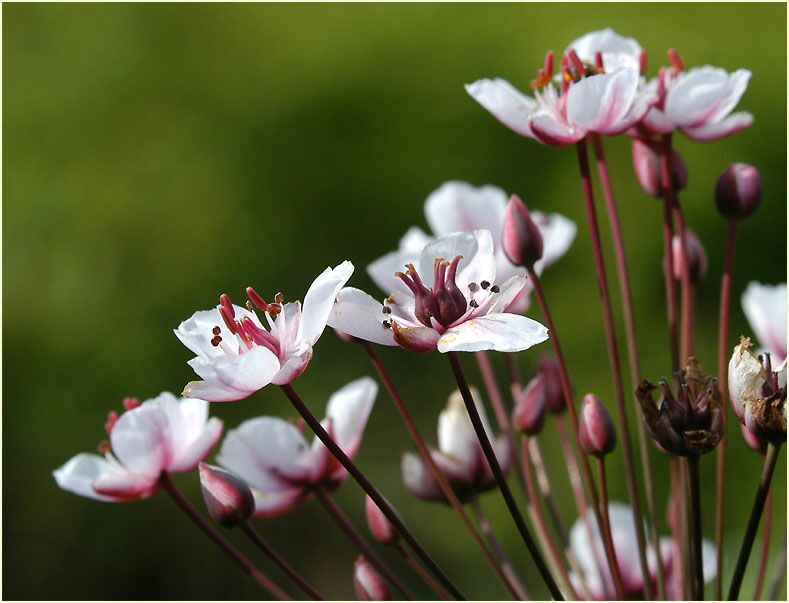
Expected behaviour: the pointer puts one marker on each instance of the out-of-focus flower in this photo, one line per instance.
(697, 263)
(597, 98)
(548, 367)
(616, 50)
(227, 497)
(528, 416)
(457, 206)
(596, 434)
(459, 455)
(237, 355)
(757, 393)
(380, 527)
(690, 424)
(591, 556)
(765, 309)
(163, 434)
(646, 163)
(699, 102)
(738, 191)
(368, 583)
(464, 310)
(281, 468)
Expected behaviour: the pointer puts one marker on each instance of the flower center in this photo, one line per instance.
(247, 330)
(444, 302)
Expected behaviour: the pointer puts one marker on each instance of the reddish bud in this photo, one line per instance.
(548, 367)
(521, 239)
(738, 192)
(596, 435)
(697, 256)
(368, 583)
(227, 497)
(646, 163)
(529, 413)
(379, 525)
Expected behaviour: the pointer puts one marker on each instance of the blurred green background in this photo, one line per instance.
(158, 155)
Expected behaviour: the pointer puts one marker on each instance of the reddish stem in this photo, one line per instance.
(606, 527)
(420, 571)
(768, 525)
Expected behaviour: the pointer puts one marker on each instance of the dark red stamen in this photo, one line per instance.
(676, 60)
(256, 299)
(642, 62)
(576, 63)
(548, 64)
(228, 318)
(112, 418)
(598, 60)
(129, 403)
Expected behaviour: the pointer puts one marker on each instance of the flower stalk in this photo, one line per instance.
(695, 527)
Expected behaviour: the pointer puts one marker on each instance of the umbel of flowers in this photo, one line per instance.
(464, 284)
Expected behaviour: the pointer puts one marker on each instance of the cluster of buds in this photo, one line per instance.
(690, 423)
(758, 394)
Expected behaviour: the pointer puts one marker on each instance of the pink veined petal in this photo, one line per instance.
(271, 504)
(500, 332)
(704, 95)
(383, 269)
(358, 314)
(522, 302)
(199, 448)
(233, 378)
(270, 454)
(213, 393)
(184, 419)
(655, 122)
(320, 298)
(458, 206)
(765, 309)
(511, 107)
(292, 368)
(599, 103)
(349, 409)
(142, 441)
(715, 131)
(643, 103)
(509, 291)
(78, 474)
(125, 486)
(552, 132)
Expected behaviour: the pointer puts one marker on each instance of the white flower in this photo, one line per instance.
(164, 434)
(459, 206)
(765, 308)
(617, 51)
(463, 310)
(277, 462)
(237, 355)
(459, 456)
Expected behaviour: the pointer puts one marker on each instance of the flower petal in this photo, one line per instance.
(505, 102)
(456, 436)
(500, 332)
(551, 131)
(418, 479)
(383, 269)
(458, 206)
(81, 471)
(196, 332)
(558, 234)
(348, 409)
(271, 504)
(617, 50)
(125, 485)
(765, 309)
(704, 95)
(198, 449)
(715, 131)
(599, 103)
(358, 314)
(232, 378)
(476, 249)
(142, 440)
(320, 298)
(415, 338)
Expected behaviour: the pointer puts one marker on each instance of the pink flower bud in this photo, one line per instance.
(521, 239)
(739, 191)
(548, 367)
(368, 583)
(696, 253)
(646, 162)
(379, 525)
(529, 413)
(227, 497)
(596, 430)
(752, 441)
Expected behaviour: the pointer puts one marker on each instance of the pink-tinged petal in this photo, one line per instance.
(642, 104)
(186, 421)
(358, 314)
(292, 368)
(349, 409)
(198, 449)
(655, 122)
(500, 332)
(79, 473)
(458, 206)
(196, 332)
(320, 298)
(476, 249)
(382, 270)
(418, 479)
(509, 291)
(456, 436)
(270, 454)
(142, 441)
(233, 378)
(704, 95)
(271, 504)
(522, 302)
(415, 339)
(765, 309)
(600, 102)
(617, 51)
(125, 485)
(623, 533)
(553, 132)
(587, 554)
(558, 234)
(511, 107)
(288, 330)
(715, 131)
(368, 583)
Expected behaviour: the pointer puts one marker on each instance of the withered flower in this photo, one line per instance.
(690, 424)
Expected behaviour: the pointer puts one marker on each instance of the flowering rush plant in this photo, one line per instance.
(469, 287)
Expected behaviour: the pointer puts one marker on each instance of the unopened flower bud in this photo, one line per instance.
(739, 191)
(646, 162)
(752, 441)
(521, 239)
(697, 264)
(529, 413)
(596, 435)
(379, 525)
(227, 497)
(368, 583)
(549, 368)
